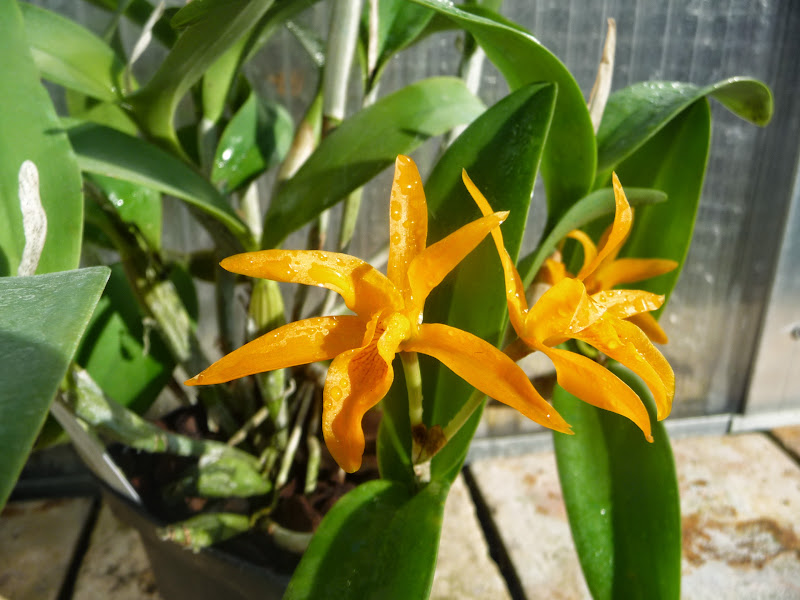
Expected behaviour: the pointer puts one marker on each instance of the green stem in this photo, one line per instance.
(414, 386)
(462, 416)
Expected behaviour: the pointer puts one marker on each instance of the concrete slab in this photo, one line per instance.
(789, 438)
(465, 571)
(740, 500)
(524, 498)
(37, 542)
(115, 565)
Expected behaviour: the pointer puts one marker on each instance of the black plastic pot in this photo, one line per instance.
(210, 574)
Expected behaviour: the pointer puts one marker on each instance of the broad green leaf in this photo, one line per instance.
(568, 163)
(500, 151)
(596, 204)
(43, 318)
(365, 144)
(127, 360)
(673, 161)
(31, 131)
(211, 27)
(621, 494)
(138, 206)
(637, 113)
(105, 151)
(72, 56)
(378, 541)
(256, 139)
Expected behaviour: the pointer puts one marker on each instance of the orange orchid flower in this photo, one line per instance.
(387, 320)
(569, 311)
(612, 271)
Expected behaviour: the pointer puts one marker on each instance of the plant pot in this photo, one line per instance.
(211, 574)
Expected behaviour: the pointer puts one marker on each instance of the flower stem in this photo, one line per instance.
(419, 433)
(414, 386)
(462, 416)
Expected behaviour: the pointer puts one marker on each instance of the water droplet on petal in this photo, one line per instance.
(335, 393)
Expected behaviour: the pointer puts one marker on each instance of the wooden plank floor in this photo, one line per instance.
(740, 502)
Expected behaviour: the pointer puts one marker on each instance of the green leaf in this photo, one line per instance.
(30, 131)
(222, 477)
(129, 362)
(211, 27)
(673, 161)
(622, 500)
(138, 206)
(501, 152)
(102, 113)
(400, 23)
(257, 138)
(597, 204)
(218, 80)
(72, 56)
(568, 163)
(394, 433)
(378, 541)
(205, 529)
(43, 318)
(637, 113)
(365, 144)
(657, 135)
(279, 13)
(138, 11)
(105, 151)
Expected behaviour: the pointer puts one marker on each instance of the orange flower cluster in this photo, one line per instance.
(388, 312)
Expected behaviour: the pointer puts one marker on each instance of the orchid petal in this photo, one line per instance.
(593, 383)
(629, 270)
(486, 368)
(434, 263)
(357, 380)
(626, 343)
(297, 343)
(561, 311)
(552, 272)
(647, 323)
(626, 303)
(623, 219)
(515, 291)
(365, 289)
(589, 249)
(408, 223)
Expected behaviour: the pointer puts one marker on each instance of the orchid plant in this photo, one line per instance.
(101, 342)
